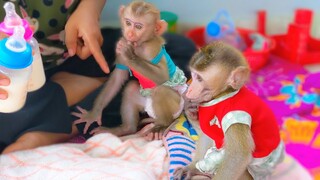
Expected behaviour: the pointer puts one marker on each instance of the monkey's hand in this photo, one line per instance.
(190, 172)
(87, 117)
(158, 131)
(151, 132)
(125, 52)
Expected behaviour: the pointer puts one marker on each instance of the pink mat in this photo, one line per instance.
(293, 94)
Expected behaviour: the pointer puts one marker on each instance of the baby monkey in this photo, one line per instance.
(240, 128)
(140, 52)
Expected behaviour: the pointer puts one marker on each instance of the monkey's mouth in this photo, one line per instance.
(133, 43)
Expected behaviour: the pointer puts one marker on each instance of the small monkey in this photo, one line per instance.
(240, 128)
(160, 82)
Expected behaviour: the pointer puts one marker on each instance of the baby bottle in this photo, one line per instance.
(222, 28)
(37, 78)
(15, 62)
(11, 20)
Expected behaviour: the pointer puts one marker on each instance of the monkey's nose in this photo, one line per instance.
(188, 93)
(131, 35)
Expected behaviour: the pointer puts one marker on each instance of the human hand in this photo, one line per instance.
(4, 81)
(83, 34)
(87, 117)
(3, 35)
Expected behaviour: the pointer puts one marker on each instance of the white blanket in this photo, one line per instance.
(103, 156)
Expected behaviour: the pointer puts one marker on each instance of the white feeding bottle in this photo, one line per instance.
(15, 62)
(11, 20)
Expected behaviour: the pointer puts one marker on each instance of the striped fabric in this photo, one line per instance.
(179, 143)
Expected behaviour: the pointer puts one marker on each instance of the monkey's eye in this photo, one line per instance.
(128, 23)
(199, 78)
(138, 26)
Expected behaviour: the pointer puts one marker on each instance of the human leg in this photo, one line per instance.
(75, 86)
(35, 139)
(80, 77)
(46, 110)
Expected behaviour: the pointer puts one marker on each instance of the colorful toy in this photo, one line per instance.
(256, 58)
(297, 45)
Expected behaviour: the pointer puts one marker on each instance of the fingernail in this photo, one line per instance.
(71, 52)
(106, 69)
(3, 96)
(4, 82)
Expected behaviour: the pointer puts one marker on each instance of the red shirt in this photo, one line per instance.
(264, 127)
(144, 81)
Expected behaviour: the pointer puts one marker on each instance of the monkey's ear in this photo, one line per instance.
(121, 10)
(238, 77)
(161, 27)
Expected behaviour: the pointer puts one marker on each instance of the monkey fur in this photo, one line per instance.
(233, 128)
(135, 51)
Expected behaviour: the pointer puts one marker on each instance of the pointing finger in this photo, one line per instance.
(97, 54)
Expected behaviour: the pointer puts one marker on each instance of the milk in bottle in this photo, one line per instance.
(11, 20)
(15, 62)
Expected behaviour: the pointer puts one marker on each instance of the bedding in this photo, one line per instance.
(103, 156)
(288, 88)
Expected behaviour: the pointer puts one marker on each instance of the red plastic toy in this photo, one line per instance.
(297, 45)
(256, 59)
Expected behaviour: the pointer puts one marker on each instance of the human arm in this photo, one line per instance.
(4, 81)
(83, 34)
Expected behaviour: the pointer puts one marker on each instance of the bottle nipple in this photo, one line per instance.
(16, 42)
(11, 19)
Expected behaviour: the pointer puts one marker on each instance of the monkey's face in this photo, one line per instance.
(207, 84)
(137, 30)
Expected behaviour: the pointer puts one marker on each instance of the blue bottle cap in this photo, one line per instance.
(15, 53)
(213, 29)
